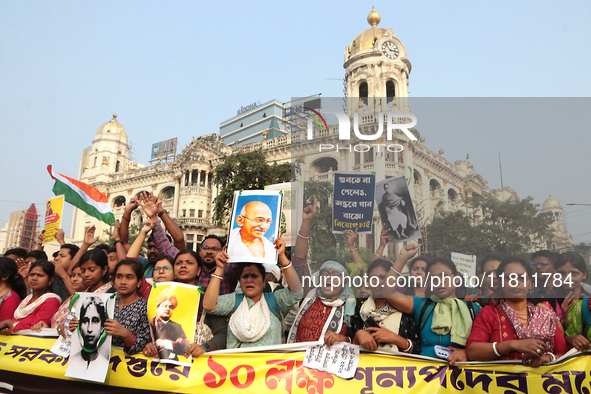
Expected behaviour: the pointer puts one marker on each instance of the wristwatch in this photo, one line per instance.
(162, 213)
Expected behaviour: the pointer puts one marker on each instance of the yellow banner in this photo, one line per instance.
(284, 372)
(54, 209)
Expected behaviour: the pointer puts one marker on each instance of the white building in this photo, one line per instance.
(377, 72)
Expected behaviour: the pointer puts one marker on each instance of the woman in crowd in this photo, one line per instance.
(210, 331)
(12, 288)
(59, 319)
(256, 317)
(38, 306)
(377, 324)
(163, 269)
(417, 268)
(515, 328)
(129, 326)
(94, 268)
(573, 273)
(326, 311)
(443, 319)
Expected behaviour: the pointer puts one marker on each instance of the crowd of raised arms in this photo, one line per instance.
(248, 304)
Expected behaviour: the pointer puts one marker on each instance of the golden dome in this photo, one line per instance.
(551, 202)
(367, 39)
(112, 126)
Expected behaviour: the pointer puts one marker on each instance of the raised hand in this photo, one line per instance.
(115, 233)
(409, 251)
(351, 238)
(89, 237)
(149, 204)
(280, 246)
(310, 211)
(60, 236)
(384, 239)
(222, 258)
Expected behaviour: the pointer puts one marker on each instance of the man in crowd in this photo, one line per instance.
(486, 269)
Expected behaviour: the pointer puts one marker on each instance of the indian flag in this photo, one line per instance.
(83, 196)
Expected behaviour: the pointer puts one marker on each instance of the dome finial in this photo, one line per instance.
(373, 18)
(115, 116)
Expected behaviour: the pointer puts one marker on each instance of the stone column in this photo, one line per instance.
(190, 177)
(206, 179)
(177, 193)
(199, 178)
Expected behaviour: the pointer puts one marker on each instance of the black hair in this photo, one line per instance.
(104, 247)
(20, 252)
(136, 267)
(185, 251)
(213, 236)
(409, 290)
(515, 259)
(422, 257)
(241, 268)
(551, 256)
(48, 268)
(192, 253)
(9, 270)
(55, 254)
(460, 290)
(385, 264)
(99, 258)
(112, 250)
(72, 249)
(491, 256)
(167, 258)
(100, 308)
(574, 258)
(37, 254)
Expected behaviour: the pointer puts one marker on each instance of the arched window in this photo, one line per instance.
(119, 201)
(390, 91)
(363, 90)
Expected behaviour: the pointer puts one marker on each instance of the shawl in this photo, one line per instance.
(452, 316)
(390, 321)
(250, 324)
(25, 310)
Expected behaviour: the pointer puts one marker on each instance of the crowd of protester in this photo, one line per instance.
(249, 304)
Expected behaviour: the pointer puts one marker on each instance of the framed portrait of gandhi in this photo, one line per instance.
(254, 226)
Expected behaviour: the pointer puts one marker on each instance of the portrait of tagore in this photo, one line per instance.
(249, 239)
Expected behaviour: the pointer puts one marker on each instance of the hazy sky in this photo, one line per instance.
(178, 69)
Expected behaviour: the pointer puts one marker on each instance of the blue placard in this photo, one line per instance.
(353, 201)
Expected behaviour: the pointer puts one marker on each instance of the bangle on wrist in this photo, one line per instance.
(409, 346)
(352, 250)
(392, 268)
(217, 276)
(118, 242)
(495, 349)
(302, 237)
(379, 255)
(125, 218)
(162, 213)
(552, 356)
(286, 266)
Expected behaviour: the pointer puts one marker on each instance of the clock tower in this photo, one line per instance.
(376, 67)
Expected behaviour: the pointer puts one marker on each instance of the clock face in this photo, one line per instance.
(390, 50)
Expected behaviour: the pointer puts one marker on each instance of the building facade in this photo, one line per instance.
(21, 230)
(377, 72)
